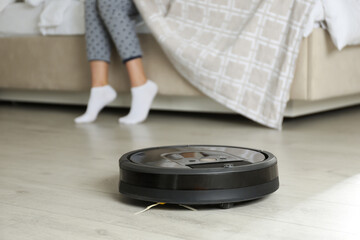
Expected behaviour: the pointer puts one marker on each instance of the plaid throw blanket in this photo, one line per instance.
(242, 53)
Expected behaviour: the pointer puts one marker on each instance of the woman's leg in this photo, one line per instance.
(99, 52)
(136, 72)
(99, 73)
(116, 15)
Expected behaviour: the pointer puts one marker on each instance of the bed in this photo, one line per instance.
(51, 67)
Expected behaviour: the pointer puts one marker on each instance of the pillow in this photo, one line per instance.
(315, 18)
(4, 3)
(343, 21)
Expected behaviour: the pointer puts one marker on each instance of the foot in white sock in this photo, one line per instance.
(142, 98)
(99, 98)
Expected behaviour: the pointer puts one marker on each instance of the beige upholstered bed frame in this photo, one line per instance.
(54, 70)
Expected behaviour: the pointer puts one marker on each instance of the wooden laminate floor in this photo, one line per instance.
(59, 180)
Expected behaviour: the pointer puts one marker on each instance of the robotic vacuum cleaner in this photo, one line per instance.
(198, 174)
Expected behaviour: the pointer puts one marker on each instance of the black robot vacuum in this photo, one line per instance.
(198, 174)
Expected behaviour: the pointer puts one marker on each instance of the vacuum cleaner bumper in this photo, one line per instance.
(198, 174)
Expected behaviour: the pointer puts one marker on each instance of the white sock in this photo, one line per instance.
(99, 98)
(142, 98)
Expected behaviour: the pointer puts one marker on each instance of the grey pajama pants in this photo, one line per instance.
(111, 19)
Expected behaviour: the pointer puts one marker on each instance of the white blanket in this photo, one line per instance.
(5, 3)
(62, 17)
(34, 3)
(53, 13)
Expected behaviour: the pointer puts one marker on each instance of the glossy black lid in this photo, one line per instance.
(196, 156)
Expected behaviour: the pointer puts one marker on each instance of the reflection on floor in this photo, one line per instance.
(59, 180)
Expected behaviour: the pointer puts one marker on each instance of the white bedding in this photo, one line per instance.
(343, 21)
(340, 17)
(5, 3)
(66, 17)
(11, 24)
(22, 19)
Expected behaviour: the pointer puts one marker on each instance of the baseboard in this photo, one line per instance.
(172, 103)
(295, 108)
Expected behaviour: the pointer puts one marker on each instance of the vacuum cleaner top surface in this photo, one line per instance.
(198, 174)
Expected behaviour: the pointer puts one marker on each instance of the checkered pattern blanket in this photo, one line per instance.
(242, 53)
